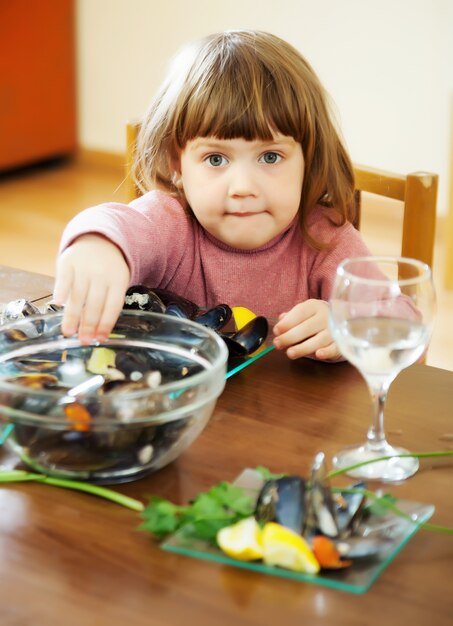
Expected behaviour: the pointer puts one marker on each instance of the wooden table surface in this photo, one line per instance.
(68, 558)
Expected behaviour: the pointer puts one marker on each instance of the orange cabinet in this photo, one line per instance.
(37, 81)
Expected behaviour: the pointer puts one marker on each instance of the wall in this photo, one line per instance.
(386, 63)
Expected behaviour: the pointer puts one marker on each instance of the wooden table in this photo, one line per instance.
(74, 560)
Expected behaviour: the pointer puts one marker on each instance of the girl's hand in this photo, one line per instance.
(304, 331)
(92, 278)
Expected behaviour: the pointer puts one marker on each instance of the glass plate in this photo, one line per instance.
(392, 531)
(237, 364)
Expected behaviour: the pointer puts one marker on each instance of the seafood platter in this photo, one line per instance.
(116, 410)
(305, 530)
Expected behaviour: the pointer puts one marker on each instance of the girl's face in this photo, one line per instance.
(244, 193)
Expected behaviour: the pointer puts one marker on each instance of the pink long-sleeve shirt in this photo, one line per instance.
(166, 247)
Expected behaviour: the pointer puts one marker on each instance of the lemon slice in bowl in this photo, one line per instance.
(285, 548)
(242, 540)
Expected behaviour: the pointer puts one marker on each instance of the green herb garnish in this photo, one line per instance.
(222, 505)
(11, 476)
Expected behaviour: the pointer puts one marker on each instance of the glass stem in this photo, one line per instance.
(376, 435)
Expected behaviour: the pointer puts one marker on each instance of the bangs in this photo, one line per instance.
(240, 97)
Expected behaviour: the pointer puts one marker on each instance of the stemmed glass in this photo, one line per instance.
(381, 317)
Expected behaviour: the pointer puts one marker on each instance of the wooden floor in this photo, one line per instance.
(36, 203)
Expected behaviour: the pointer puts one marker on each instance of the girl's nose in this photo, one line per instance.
(242, 182)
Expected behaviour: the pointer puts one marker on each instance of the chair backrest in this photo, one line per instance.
(418, 192)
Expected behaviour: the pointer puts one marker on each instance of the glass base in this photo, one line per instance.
(391, 470)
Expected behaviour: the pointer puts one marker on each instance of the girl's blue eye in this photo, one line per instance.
(216, 160)
(270, 158)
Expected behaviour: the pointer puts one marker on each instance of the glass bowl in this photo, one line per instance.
(113, 411)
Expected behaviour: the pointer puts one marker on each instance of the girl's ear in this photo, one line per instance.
(174, 163)
(175, 169)
(176, 179)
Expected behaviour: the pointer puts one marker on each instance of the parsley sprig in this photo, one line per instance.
(222, 505)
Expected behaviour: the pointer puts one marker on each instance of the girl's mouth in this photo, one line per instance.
(244, 213)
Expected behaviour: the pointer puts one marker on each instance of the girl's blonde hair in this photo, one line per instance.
(246, 84)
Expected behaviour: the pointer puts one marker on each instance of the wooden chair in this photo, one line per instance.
(418, 192)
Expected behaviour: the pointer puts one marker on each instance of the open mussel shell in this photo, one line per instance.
(282, 500)
(248, 339)
(349, 509)
(321, 514)
(362, 548)
(143, 298)
(172, 300)
(175, 310)
(17, 309)
(216, 318)
(133, 363)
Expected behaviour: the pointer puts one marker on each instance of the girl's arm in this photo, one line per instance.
(108, 247)
(92, 277)
(304, 330)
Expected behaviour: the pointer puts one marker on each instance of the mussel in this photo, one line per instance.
(142, 298)
(170, 299)
(282, 500)
(18, 309)
(215, 318)
(310, 507)
(248, 339)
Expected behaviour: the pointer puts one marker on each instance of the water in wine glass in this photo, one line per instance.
(382, 346)
(381, 316)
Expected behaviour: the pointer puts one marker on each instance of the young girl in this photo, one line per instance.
(248, 193)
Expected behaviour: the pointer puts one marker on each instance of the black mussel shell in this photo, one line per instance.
(282, 500)
(215, 318)
(139, 297)
(169, 298)
(176, 311)
(349, 510)
(249, 338)
(134, 324)
(235, 349)
(127, 362)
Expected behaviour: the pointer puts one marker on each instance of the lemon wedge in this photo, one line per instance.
(242, 540)
(242, 316)
(101, 360)
(287, 549)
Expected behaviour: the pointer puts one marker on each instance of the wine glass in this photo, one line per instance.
(381, 317)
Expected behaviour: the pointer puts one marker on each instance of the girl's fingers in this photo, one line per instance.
(63, 286)
(329, 353)
(299, 333)
(310, 346)
(113, 305)
(73, 307)
(92, 311)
